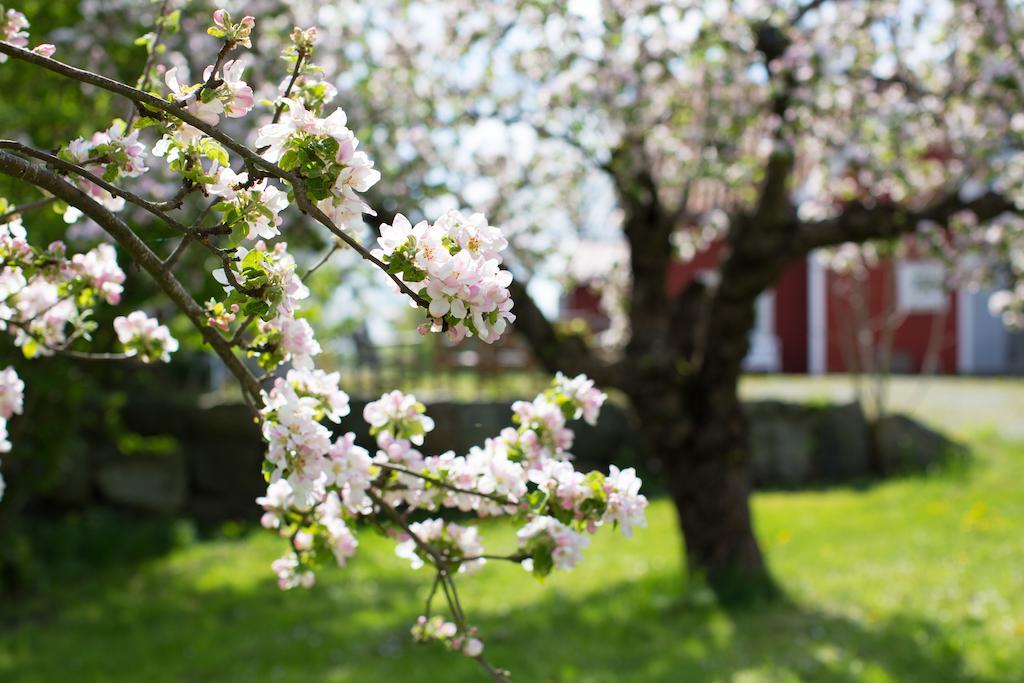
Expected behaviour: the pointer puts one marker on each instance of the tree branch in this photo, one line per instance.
(322, 262)
(804, 9)
(555, 351)
(860, 224)
(501, 500)
(69, 167)
(151, 54)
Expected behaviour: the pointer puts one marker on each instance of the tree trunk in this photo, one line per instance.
(711, 500)
(710, 485)
(707, 465)
(704, 458)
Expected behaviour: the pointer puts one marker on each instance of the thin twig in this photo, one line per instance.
(237, 336)
(430, 595)
(15, 212)
(321, 262)
(279, 109)
(178, 198)
(212, 83)
(515, 557)
(179, 250)
(143, 81)
(88, 355)
(451, 487)
(63, 350)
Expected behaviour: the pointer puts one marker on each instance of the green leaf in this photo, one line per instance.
(30, 349)
(289, 160)
(268, 470)
(173, 20)
(144, 122)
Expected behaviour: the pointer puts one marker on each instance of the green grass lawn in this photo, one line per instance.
(920, 579)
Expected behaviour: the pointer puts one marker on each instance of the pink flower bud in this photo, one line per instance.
(474, 648)
(46, 49)
(303, 540)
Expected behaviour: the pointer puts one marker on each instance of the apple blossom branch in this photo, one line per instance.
(151, 106)
(193, 233)
(501, 500)
(319, 482)
(63, 349)
(152, 50)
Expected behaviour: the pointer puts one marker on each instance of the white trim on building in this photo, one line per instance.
(763, 355)
(964, 332)
(817, 315)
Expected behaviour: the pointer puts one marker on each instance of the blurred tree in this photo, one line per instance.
(815, 124)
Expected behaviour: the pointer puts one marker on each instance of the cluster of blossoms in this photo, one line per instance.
(145, 337)
(260, 279)
(232, 98)
(46, 298)
(12, 28)
(448, 538)
(250, 208)
(233, 33)
(46, 303)
(325, 152)
(112, 155)
(438, 630)
(455, 265)
(222, 92)
(306, 82)
(12, 393)
(557, 544)
(318, 481)
(271, 289)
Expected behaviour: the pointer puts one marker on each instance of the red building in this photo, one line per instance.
(816, 321)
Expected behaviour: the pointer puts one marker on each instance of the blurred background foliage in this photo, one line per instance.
(66, 398)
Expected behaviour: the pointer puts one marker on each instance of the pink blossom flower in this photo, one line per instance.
(145, 337)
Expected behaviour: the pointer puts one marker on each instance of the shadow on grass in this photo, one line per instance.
(161, 627)
(39, 553)
(644, 632)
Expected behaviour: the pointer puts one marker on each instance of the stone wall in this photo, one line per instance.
(210, 465)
